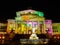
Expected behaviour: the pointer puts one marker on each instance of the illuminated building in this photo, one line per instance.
(26, 20)
(11, 25)
(3, 27)
(56, 28)
(48, 25)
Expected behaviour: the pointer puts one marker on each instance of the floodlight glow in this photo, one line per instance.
(33, 30)
(41, 14)
(49, 26)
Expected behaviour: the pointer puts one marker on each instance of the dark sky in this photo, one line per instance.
(8, 9)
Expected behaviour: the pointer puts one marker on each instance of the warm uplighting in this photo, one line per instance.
(54, 37)
(0, 37)
(3, 37)
(58, 37)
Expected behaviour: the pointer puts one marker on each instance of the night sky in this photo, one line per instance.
(8, 9)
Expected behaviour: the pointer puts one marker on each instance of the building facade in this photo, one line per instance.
(56, 28)
(3, 28)
(48, 26)
(27, 20)
(11, 25)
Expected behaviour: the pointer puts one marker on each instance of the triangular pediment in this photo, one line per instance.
(38, 13)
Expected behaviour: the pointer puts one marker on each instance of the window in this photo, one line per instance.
(55, 28)
(3, 28)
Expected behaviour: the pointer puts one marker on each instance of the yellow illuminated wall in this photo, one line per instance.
(25, 17)
(10, 25)
(23, 28)
(56, 28)
(3, 27)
